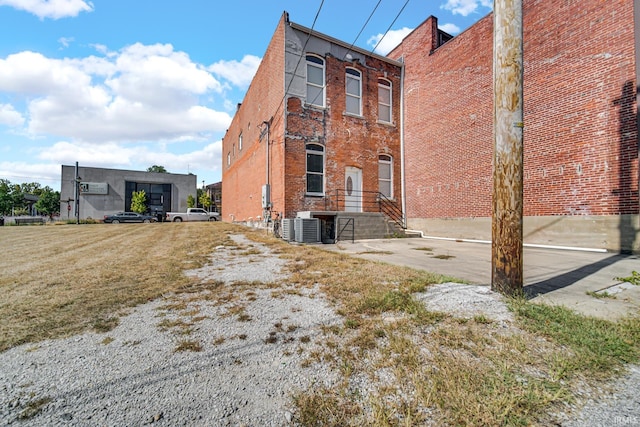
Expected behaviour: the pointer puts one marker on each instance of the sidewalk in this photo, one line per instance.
(550, 275)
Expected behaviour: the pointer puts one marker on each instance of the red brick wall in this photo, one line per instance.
(349, 141)
(580, 137)
(242, 181)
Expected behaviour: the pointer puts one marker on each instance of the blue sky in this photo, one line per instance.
(127, 84)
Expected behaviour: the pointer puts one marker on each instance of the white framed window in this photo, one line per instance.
(315, 81)
(240, 142)
(354, 91)
(315, 169)
(385, 175)
(384, 100)
(228, 159)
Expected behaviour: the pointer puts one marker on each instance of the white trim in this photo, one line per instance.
(526, 245)
(358, 79)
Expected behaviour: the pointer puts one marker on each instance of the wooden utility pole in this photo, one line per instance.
(506, 226)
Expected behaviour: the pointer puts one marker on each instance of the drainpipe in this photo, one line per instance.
(402, 183)
(267, 202)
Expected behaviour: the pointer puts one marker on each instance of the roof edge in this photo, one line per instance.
(343, 44)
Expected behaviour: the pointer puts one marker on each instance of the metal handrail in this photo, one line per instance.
(369, 201)
(339, 231)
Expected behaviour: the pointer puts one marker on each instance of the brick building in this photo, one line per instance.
(318, 131)
(580, 134)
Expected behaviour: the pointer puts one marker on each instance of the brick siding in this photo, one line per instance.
(580, 135)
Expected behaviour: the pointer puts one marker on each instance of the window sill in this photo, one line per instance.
(315, 195)
(383, 123)
(355, 116)
(315, 107)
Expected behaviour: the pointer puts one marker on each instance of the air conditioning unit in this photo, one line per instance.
(287, 229)
(307, 230)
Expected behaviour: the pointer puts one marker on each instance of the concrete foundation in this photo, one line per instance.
(615, 233)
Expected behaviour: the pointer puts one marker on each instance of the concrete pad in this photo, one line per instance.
(552, 276)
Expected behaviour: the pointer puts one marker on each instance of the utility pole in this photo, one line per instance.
(77, 194)
(506, 226)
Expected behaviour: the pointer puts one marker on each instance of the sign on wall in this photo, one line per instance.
(94, 188)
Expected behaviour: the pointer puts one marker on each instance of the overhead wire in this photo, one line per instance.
(391, 25)
(362, 29)
(304, 47)
(349, 49)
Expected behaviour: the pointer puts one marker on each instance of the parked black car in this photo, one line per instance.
(128, 217)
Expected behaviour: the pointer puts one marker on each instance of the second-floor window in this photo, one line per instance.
(354, 91)
(240, 142)
(384, 100)
(315, 81)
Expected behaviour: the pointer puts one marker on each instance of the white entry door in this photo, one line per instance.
(353, 189)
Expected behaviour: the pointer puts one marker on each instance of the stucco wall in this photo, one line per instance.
(97, 205)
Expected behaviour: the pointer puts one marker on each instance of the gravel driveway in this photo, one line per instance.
(190, 360)
(246, 371)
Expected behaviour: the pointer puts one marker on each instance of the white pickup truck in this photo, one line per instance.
(192, 214)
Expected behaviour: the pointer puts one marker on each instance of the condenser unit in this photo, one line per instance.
(307, 230)
(287, 229)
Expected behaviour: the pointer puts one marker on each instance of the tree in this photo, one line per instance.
(11, 198)
(204, 200)
(191, 201)
(139, 201)
(6, 202)
(31, 188)
(157, 169)
(49, 202)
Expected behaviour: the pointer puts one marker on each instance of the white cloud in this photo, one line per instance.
(390, 41)
(140, 93)
(43, 173)
(136, 157)
(65, 41)
(452, 29)
(158, 75)
(239, 73)
(54, 9)
(96, 155)
(9, 116)
(466, 7)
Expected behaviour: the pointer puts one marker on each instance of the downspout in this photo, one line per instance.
(268, 135)
(402, 177)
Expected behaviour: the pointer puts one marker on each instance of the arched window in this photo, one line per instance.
(354, 91)
(384, 100)
(315, 81)
(315, 169)
(385, 175)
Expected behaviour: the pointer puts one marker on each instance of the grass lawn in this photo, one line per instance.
(60, 280)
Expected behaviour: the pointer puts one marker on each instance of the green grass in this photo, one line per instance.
(601, 295)
(598, 346)
(634, 278)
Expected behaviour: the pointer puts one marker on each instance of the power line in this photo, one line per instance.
(304, 47)
(391, 25)
(362, 29)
